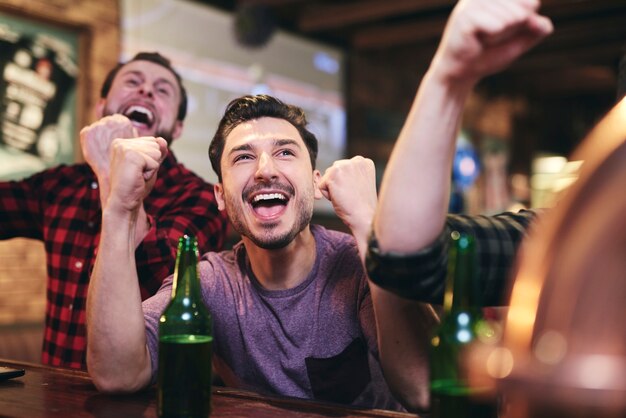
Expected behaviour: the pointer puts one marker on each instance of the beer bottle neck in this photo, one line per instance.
(461, 292)
(186, 284)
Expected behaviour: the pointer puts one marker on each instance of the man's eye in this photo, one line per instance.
(164, 91)
(242, 157)
(286, 153)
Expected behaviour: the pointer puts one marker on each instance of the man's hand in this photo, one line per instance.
(95, 143)
(134, 165)
(350, 185)
(483, 37)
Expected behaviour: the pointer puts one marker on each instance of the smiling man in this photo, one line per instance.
(290, 303)
(159, 112)
(62, 206)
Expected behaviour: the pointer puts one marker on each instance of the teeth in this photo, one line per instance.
(268, 196)
(140, 109)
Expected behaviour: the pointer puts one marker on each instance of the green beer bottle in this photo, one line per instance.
(461, 325)
(185, 342)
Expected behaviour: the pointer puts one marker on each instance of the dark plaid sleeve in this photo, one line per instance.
(497, 240)
(421, 276)
(20, 209)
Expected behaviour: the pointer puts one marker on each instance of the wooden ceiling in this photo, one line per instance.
(567, 82)
(581, 55)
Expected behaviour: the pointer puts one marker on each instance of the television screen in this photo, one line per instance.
(216, 68)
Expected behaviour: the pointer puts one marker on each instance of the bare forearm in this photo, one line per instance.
(117, 357)
(361, 229)
(404, 329)
(142, 226)
(414, 194)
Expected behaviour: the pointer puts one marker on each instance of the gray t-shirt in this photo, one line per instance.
(314, 341)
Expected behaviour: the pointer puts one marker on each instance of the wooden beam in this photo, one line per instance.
(557, 9)
(320, 18)
(577, 32)
(557, 82)
(385, 36)
(588, 31)
(606, 54)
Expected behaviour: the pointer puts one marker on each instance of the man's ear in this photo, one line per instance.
(219, 195)
(100, 108)
(317, 176)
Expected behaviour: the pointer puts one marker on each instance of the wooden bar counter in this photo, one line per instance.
(54, 392)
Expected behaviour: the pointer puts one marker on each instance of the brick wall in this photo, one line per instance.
(22, 281)
(22, 262)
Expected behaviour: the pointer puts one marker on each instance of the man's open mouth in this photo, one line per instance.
(268, 205)
(140, 116)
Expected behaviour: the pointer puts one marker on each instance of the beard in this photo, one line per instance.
(167, 134)
(268, 238)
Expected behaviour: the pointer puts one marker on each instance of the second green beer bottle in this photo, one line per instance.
(185, 342)
(452, 396)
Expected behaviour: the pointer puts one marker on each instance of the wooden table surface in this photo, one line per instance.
(54, 392)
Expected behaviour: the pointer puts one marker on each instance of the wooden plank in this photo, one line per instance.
(568, 8)
(394, 35)
(318, 18)
(575, 33)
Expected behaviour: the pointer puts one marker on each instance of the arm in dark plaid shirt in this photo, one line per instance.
(180, 203)
(19, 210)
(421, 276)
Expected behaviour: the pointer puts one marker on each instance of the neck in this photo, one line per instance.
(283, 268)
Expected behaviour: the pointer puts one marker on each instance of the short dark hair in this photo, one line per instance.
(248, 108)
(156, 58)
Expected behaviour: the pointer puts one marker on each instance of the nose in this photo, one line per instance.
(145, 89)
(266, 169)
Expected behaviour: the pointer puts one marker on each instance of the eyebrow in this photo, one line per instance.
(141, 74)
(276, 143)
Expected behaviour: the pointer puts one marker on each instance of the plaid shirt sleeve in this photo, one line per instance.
(20, 208)
(180, 203)
(421, 276)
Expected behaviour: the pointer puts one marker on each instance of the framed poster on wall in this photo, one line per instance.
(38, 77)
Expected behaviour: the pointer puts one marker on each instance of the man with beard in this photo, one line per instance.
(290, 303)
(62, 206)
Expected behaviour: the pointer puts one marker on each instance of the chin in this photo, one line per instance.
(273, 242)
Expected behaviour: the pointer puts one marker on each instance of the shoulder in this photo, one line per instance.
(214, 263)
(219, 273)
(175, 180)
(337, 250)
(63, 175)
(175, 172)
(332, 240)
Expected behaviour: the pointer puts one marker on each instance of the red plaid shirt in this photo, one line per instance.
(61, 207)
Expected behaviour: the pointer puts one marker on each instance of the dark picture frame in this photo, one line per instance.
(38, 78)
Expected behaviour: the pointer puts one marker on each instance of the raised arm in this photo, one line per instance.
(481, 38)
(117, 357)
(95, 142)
